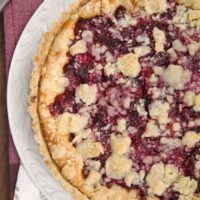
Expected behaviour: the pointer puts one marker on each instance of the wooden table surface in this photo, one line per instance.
(4, 177)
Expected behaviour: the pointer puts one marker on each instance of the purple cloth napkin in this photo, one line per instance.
(16, 15)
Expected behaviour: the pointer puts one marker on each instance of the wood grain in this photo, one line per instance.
(4, 177)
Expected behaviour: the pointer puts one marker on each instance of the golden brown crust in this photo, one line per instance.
(39, 63)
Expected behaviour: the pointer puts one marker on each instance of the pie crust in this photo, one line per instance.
(69, 122)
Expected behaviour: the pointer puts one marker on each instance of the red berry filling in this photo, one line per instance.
(118, 41)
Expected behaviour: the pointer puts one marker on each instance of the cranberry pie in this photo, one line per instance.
(115, 99)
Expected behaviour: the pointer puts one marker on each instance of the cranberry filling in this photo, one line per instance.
(161, 59)
(82, 69)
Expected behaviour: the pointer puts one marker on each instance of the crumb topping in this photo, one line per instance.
(129, 100)
(129, 65)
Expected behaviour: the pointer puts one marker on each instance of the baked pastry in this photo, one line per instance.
(115, 99)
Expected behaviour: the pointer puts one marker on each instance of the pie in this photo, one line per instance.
(115, 99)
